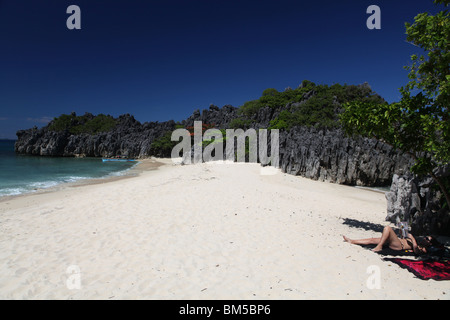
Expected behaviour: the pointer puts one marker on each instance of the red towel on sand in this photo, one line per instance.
(437, 270)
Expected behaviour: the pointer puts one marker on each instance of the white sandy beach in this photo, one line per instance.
(208, 231)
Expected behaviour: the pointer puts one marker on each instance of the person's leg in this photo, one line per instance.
(390, 238)
(363, 241)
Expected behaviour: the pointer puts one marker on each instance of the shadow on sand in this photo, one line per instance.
(363, 225)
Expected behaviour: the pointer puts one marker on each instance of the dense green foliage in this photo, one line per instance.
(430, 75)
(420, 123)
(83, 124)
(214, 137)
(163, 146)
(308, 105)
(240, 123)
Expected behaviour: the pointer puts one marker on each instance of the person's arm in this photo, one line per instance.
(416, 248)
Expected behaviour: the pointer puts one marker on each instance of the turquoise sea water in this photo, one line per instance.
(23, 174)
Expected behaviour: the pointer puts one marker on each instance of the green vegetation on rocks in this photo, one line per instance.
(308, 105)
(86, 123)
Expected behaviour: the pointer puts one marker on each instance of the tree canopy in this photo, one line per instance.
(419, 124)
(86, 123)
(308, 105)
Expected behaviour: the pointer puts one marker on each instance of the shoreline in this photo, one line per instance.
(142, 166)
(382, 190)
(205, 231)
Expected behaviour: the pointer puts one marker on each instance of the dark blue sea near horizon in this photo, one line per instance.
(20, 174)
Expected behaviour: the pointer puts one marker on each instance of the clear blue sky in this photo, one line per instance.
(160, 60)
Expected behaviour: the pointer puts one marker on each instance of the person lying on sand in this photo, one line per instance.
(390, 239)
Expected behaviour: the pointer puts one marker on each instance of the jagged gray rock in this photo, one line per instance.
(129, 138)
(329, 155)
(220, 117)
(418, 201)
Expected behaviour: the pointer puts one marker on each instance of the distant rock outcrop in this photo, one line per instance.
(129, 138)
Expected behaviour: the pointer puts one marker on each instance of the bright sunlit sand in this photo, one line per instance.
(206, 231)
